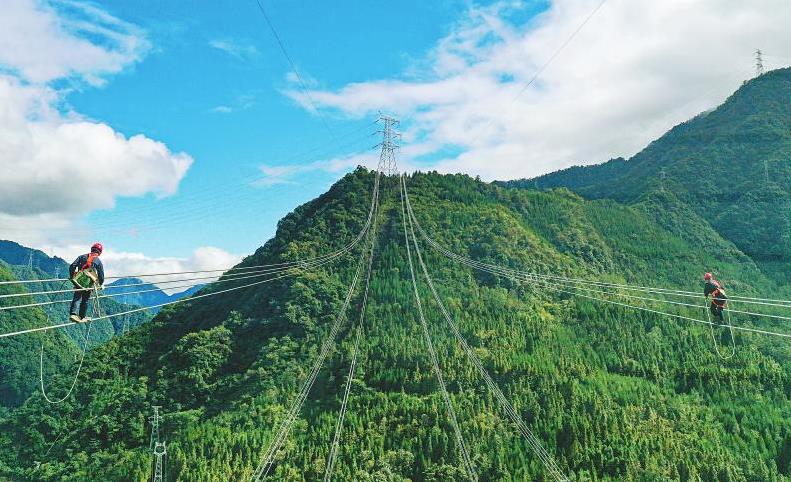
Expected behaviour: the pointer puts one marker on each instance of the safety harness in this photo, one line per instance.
(718, 295)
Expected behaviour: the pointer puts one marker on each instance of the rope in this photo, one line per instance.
(714, 338)
(97, 310)
(549, 462)
(468, 465)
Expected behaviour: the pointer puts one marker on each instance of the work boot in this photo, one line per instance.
(75, 318)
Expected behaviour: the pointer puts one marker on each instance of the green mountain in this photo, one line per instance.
(611, 392)
(730, 166)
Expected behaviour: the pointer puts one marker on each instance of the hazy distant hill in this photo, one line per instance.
(152, 296)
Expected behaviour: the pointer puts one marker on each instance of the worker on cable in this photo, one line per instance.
(714, 289)
(86, 273)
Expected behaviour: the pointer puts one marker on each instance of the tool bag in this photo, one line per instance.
(86, 278)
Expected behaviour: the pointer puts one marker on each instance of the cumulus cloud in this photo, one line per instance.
(635, 70)
(40, 44)
(58, 165)
(123, 263)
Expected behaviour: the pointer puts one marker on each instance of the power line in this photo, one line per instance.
(335, 446)
(533, 441)
(302, 84)
(463, 451)
(263, 468)
(494, 269)
(547, 63)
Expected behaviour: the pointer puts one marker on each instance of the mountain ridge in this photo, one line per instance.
(612, 392)
(730, 165)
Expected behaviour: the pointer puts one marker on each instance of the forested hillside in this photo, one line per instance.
(731, 166)
(612, 393)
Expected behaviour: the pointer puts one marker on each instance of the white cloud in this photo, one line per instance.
(242, 102)
(124, 263)
(58, 165)
(635, 70)
(222, 109)
(285, 174)
(41, 45)
(234, 48)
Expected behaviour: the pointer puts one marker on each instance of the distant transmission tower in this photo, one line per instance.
(155, 419)
(160, 452)
(766, 170)
(30, 260)
(662, 177)
(158, 447)
(759, 62)
(387, 159)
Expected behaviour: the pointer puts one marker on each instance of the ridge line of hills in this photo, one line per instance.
(614, 394)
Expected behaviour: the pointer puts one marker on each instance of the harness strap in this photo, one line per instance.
(89, 261)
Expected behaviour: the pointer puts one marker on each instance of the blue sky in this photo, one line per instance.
(226, 108)
(144, 124)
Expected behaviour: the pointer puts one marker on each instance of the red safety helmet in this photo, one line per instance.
(97, 247)
(707, 276)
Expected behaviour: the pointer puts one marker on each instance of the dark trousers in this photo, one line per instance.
(81, 297)
(716, 312)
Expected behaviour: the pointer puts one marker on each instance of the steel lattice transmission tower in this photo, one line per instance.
(387, 158)
(160, 452)
(759, 62)
(155, 419)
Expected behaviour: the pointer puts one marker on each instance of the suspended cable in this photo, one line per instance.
(535, 444)
(575, 281)
(263, 468)
(344, 249)
(231, 277)
(374, 202)
(137, 310)
(294, 69)
(548, 285)
(335, 446)
(546, 64)
(464, 453)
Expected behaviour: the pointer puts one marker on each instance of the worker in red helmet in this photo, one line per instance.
(86, 273)
(714, 289)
